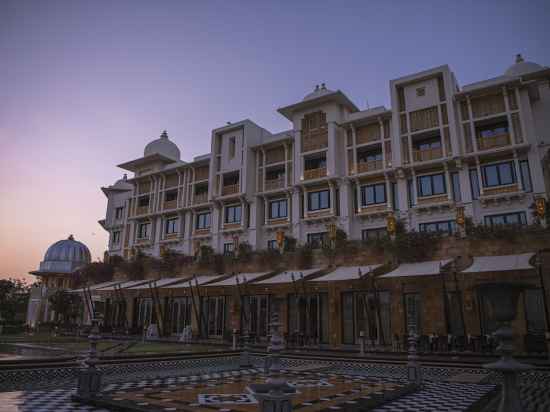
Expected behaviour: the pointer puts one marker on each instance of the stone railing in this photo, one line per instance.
(491, 191)
(315, 173)
(369, 166)
(432, 199)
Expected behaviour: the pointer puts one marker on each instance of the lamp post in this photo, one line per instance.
(89, 378)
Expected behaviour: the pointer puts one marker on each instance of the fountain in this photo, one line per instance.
(503, 299)
(276, 394)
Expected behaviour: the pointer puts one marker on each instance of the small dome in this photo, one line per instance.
(318, 92)
(65, 256)
(163, 146)
(122, 184)
(521, 67)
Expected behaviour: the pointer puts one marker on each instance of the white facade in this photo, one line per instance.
(440, 151)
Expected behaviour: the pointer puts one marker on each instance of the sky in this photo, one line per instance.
(85, 85)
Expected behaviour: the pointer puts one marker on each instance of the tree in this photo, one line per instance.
(66, 306)
(95, 272)
(14, 294)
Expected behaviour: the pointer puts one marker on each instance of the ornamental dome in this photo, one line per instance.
(122, 184)
(521, 67)
(318, 92)
(65, 256)
(163, 146)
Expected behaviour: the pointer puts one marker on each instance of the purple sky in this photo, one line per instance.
(84, 85)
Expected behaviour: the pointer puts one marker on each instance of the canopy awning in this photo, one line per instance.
(193, 281)
(243, 278)
(429, 268)
(97, 286)
(346, 273)
(123, 285)
(159, 283)
(286, 277)
(500, 263)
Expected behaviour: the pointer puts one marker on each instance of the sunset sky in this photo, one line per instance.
(84, 85)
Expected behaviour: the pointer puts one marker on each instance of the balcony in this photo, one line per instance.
(424, 119)
(424, 155)
(200, 198)
(368, 134)
(492, 142)
(201, 173)
(141, 210)
(230, 189)
(488, 105)
(369, 166)
(276, 155)
(171, 204)
(311, 174)
(273, 184)
(314, 143)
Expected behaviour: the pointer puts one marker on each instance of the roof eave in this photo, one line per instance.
(287, 111)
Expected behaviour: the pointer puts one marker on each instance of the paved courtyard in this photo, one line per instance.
(189, 384)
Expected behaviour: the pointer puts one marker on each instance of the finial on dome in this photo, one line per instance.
(125, 177)
(71, 237)
(316, 87)
(519, 58)
(323, 86)
(164, 135)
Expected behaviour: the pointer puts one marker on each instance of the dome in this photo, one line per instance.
(65, 256)
(163, 146)
(318, 92)
(521, 67)
(122, 184)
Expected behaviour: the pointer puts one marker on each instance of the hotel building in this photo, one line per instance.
(476, 152)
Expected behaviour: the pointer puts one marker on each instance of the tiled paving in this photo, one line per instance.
(436, 394)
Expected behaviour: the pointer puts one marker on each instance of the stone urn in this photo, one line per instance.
(503, 300)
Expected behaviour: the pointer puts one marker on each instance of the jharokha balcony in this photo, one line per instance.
(311, 174)
(230, 189)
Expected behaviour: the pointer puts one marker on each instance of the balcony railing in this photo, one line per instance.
(230, 189)
(273, 184)
(200, 198)
(141, 210)
(500, 190)
(427, 154)
(314, 143)
(315, 173)
(369, 166)
(485, 143)
(171, 204)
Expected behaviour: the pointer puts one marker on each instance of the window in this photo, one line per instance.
(455, 182)
(318, 200)
(143, 201)
(170, 195)
(116, 237)
(474, 183)
(518, 218)
(232, 144)
(171, 226)
(315, 163)
(420, 92)
(118, 212)
(498, 174)
(203, 220)
(228, 249)
(394, 196)
(374, 234)
(432, 143)
(431, 185)
(525, 176)
(492, 130)
(272, 244)
(233, 214)
(363, 157)
(143, 230)
(278, 209)
(410, 192)
(317, 240)
(412, 313)
(373, 194)
(448, 226)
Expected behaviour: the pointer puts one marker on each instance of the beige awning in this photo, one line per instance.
(97, 286)
(193, 281)
(429, 268)
(243, 278)
(500, 263)
(287, 277)
(159, 283)
(346, 273)
(123, 285)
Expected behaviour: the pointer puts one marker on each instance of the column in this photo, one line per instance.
(509, 117)
(331, 153)
(389, 199)
(448, 182)
(354, 142)
(296, 220)
(345, 209)
(471, 124)
(479, 177)
(518, 172)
